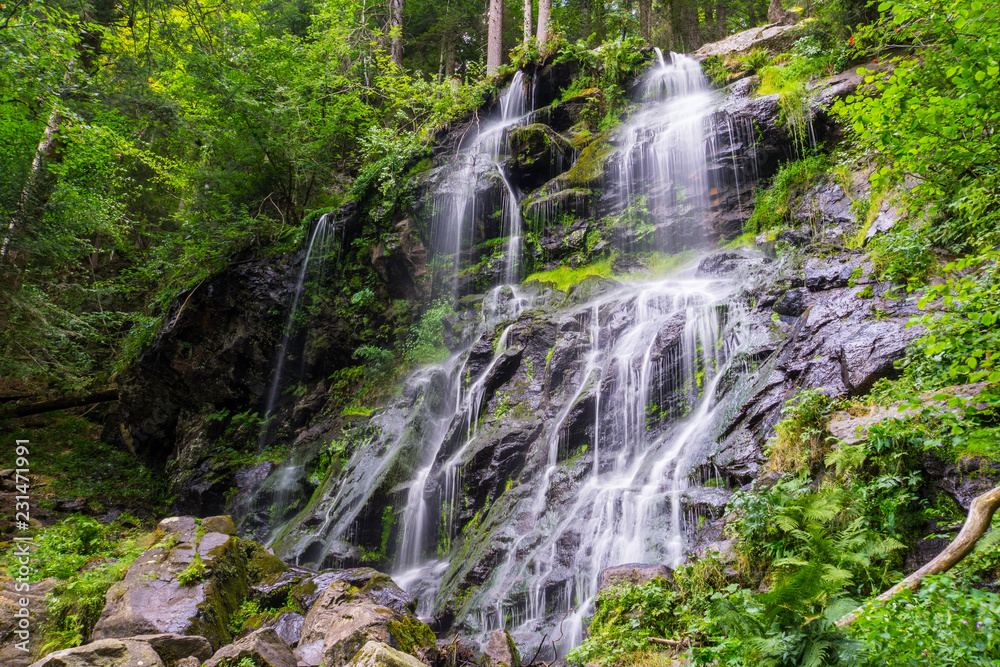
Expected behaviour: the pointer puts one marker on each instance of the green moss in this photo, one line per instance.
(411, 633)
(590, 165)
(564, 276)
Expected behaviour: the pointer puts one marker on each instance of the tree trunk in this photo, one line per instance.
(396, 8)
(74, 401)
(646, 20)
(494, 39)
(976, 524)
(544, 9)
(43, 154)
(527, 21)
(449, 60)
(720, 19)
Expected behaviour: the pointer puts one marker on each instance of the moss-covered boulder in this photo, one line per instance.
(362, 606)
(377, 654)
(189, 583)
(538, 153)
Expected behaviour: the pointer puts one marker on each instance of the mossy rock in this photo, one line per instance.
(411, 633)
(590, 166)
(530, 139)
(154, 597)
(262, 564)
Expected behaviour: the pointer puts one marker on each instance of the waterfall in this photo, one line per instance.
(664, 150)
(458, 203)
(628, 509)
(621, 436)
(323, 235)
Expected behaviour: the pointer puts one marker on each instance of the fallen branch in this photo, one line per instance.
(73, 401)
(976, 524)
(676, 643)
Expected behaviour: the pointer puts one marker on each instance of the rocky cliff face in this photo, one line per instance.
(569, 430)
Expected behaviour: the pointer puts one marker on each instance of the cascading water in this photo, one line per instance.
(664, 147)
(628, 422)
(459, 204)
(628, 509)
(321, 240)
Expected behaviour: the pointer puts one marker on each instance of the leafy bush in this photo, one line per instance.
(941, 624)
(87, 558)
(801, 439)
(426, 342)
(962, 343)
(773, 206)
(626, 616)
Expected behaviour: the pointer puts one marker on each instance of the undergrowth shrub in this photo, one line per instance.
(801, 440)
(86, 557)
(941, 624)
(773, 206)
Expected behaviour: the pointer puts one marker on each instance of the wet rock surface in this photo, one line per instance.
(188, 585)
(263, 647)
(104, 653)
(345, 617)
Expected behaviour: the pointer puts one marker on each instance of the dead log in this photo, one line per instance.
(73, 401)
(976, 524)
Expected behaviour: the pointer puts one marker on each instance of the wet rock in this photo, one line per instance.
(346, 617)
(564, 115)
(401, 262)
(501, 651)
(274, 590)
(721, 264)
(885, 219)
(263, 647)
(538, 154)
(173, 648)
(791, 303)
(825, 205)
(589, 288)
(378, 654)
(823, 274)
(288, 626)
(634, 573)
(152, 600)
(11, 634)
(104, 653)
(963, 481)
(706, 501)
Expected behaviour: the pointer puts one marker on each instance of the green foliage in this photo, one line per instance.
(193, 573)
(564, 276)
(801, 440)
(941, 624)
(962, 343)
(932, 117)
(70, 453)
(626, 615)
(808, 59)
(86, 557)
(773, 206)
(426, 341)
